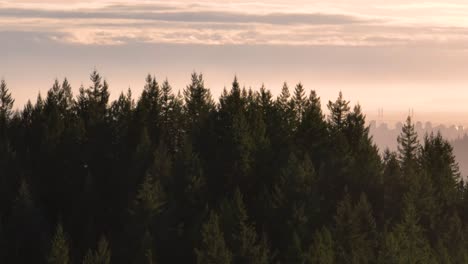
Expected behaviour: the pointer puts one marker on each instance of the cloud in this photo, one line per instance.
(232, 23)
(161, 14)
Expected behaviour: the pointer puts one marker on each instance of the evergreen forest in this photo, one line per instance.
(179, 177)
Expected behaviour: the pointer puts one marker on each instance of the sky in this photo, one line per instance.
(388, 54)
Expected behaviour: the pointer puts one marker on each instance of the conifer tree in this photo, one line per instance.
(338, 113)
(283, 98)
(246, 246)
(355, 231)
(299, 102)
(6, 106)
(363, 168)
(65, 98)
(234, 132)
(167, 109)
(26, 228)
(6, 103)
(451, 243)
(146, 252)
(149, 109)
(413, 246)
(312, 135)
(322, 248)
(438, 162)
(283, 122)
(102, 255)
(59, 251)
(408, 146)
(198, 101)
(294, 253)
(150, 199)
(94, 100)
(393, 187)
(213, 249)
(98, 91)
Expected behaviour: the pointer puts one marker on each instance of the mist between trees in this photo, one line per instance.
(179, 178)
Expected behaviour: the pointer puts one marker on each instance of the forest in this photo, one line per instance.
(177, 177)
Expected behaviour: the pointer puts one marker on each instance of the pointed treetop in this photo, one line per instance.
(59, 251)
(6, 101)
(213, 247)
(338, 112)
(408, 145)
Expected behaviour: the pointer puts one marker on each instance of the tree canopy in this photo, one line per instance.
(178, 177)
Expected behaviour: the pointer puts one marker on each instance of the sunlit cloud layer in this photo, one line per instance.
(362, 23)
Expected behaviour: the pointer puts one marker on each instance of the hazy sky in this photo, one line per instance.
(382, 53)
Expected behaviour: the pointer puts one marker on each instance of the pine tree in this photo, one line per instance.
(322, 249)
(150, 200)
(65, 98)
(59, 251)
(283, 123)
(27, 228)
(365, 243)
(6, 103)
(98, 91)
(299, 103)
(408, 146)
(439, 164)
(149, 109)
(355, 231)
(452, 242)
(102, 255)
(294, 253)
(6, 106)
(167, 109)
(146, 252)
(198, 101)
(283, 98)
(246, 246)
(413, 246)
(389, 252)
(338, 113)
(213, 248)
(95, 98)
(393, 187)
(312, 135)
(363, 172)
(234, 133)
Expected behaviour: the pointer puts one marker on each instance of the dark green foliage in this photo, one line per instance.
(407, 243)
(102, 255)
(408, 147)
(288, 184)
(246, 247)
(213, 248)
(338, 113)
(322, 250)
(6, 102)
(59, 250)
(355, 231)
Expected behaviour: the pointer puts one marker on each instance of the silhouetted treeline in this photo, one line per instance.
(181, 178)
